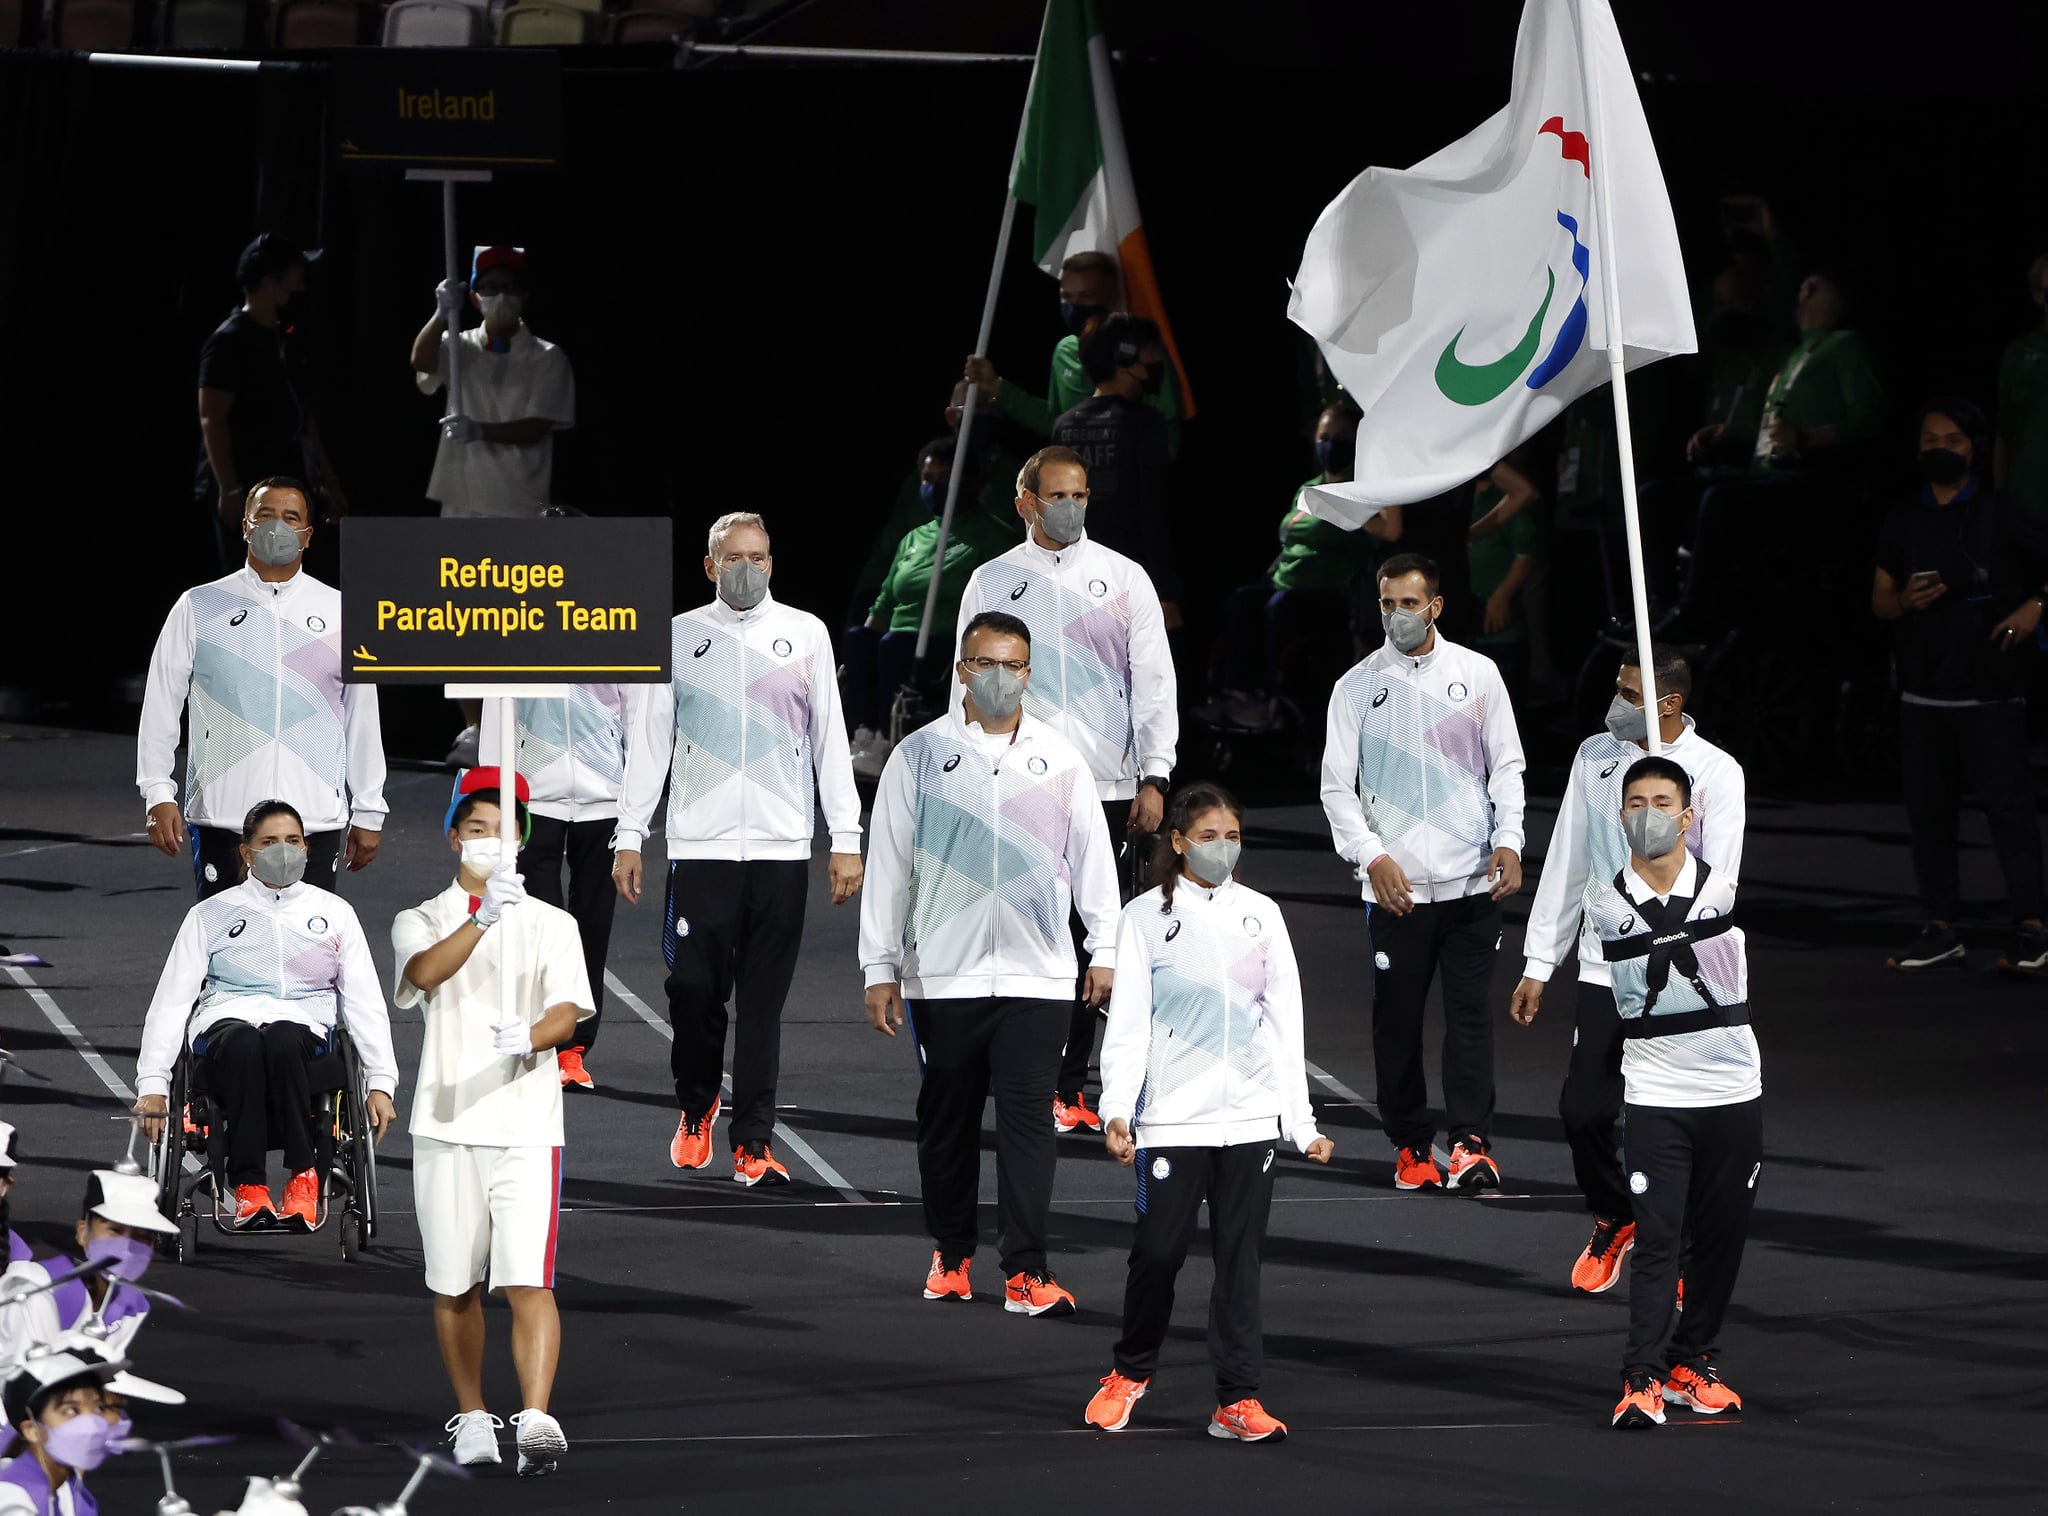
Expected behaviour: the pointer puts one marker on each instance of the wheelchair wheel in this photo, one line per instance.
(167, 1153)
(359, 1160)
(351, 1232)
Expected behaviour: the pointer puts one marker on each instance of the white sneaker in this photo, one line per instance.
(869, 761)
(475, 1437)
(541, 1443)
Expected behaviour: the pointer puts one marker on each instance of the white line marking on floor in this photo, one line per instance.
(784, 1137)
(1345, 1093)
(951, 1432)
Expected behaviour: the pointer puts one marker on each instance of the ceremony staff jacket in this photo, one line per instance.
(1101, 671)
(257, 668)
(1684, 1005)
(1589, 847)
(1204, 1042)
(754, 714)
(1422, 761)
(981, 848)
(572, 748)
(260, 955)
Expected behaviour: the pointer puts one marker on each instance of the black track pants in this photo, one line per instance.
(259, 1078)
(586, 846)
(1590, 1103)
(1458, 938)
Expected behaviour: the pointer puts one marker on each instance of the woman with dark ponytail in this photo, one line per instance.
(1202, 1069)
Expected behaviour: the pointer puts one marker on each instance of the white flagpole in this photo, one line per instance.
(1610, 289)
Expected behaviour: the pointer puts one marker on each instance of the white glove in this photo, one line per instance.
(448, 298)
(462, 429)
(503, 891)
(514, 1039)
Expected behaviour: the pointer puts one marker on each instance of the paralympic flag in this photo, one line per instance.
(1463, 302)
(1073, 172)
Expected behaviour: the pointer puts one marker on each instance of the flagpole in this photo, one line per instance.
(1617, 372)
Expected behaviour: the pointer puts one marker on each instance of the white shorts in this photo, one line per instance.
(486, 1211)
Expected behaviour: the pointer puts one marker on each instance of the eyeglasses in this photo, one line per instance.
(983, 665)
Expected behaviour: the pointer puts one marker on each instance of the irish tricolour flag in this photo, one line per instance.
(1463, 302)
(1071, 166)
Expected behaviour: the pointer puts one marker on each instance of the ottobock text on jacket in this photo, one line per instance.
(980, 847)
(1422, 761)
(752, 733)
(1101, 671)
(1588, 846)
(572, 748)
(256, 668)
(1204, 1043)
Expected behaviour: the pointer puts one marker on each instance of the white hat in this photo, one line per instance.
(126, 1200)
(93, 1351)
(6, 1148)
(40, 1369)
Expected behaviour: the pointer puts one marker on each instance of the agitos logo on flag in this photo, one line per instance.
(1461, 302)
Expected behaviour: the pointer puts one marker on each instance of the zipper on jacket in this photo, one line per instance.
(743, 741)
(276, 694)
(995, 859)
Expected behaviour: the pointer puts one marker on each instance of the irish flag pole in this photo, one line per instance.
(1610, 290)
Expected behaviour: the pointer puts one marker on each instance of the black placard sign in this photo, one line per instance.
(539, 601)
(448, 107)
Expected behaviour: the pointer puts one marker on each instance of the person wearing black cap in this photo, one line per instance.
(17, 1250)
(253, 419)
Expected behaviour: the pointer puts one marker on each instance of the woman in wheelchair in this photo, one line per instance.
(254, 984)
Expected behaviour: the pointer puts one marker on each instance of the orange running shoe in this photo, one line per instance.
(1247, 1421)
(1083, 1114)
(1110, 1410)
(1600, 1265)
(1036, 1295)
(252, 1204)
(1471, 1170)
(1697, 1385)
(691, 1147)
(1641, 1403)
(569, 1063)
(302, 1198)
(754, 1163)
(1065, 1118)
(944, 1283)
(1415, 1169)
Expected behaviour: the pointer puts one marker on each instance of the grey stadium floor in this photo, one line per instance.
(770, 1350)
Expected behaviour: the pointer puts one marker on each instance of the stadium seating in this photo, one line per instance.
(542, 23)
(203, 26)
(658, 20)
(299, 24)
(433, 23)
(93, 26)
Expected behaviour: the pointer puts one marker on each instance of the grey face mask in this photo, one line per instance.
(1063, 520)
(1628, 723)
(1651, 833)
(1407, 630)
(274, 544)
(997, 692)
(742, 586)
(1214, 861)
(280, 865)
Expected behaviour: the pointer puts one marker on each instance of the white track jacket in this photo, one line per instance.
(1589, 848)
(1204, 1044)
(572, 748)
(1422, 760)
(257, 669)
(260, 955)
(1101, 671)
(975, 860)
(754, 715)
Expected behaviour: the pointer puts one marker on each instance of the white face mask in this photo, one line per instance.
(501, 309)
(482, 855)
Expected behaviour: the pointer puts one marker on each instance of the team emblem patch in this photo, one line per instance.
(1382, 961)
(239, 617)
(682, 927)
(1708, 913)
(212, 874)
(782, 647)
(1098, 588)
(702, 648)
(1638, 1183)
(1036, 765)
(1161, 1168)
(239, 927)
(315, 624)
(1251, 926)
(1457, 690)
(317, 925)
(950, 764)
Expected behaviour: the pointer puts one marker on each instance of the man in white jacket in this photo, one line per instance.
(985, 837)
(754, 722)
(254, 661)
(1587, 850)
(1103, 680)
(572, 754)
(1422, 782)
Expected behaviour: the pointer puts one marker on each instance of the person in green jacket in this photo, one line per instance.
(1503, 546)
(1306, 591)
(1091, 286)
(879, 654)
(2020, 464)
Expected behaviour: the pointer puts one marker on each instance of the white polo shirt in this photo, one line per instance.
(468, 1091)
(530, 378)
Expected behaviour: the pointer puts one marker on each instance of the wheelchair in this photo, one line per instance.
(195, 1143)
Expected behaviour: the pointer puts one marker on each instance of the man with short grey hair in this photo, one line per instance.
(754, 718)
